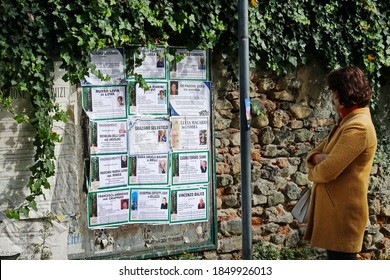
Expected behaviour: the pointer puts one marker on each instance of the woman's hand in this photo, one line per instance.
(318, 158)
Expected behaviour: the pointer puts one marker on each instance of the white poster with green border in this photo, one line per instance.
(190, 133)
(108, 207)
(190, 168)
(149, 136)
(153, 101)
(150, 205)
(108, 137)
(188, 65)
(107, 171)
(151, 64)
(149, 170)
(189, 205)
(104, 102)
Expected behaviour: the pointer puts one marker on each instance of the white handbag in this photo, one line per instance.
(301, 209)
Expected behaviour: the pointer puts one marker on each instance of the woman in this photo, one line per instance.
(120, 101)
(162, 165)
(201, 204)
(174, 88)
(164, 203)
(125, 204)
(161, 97)
(340, 168)
(202, 137)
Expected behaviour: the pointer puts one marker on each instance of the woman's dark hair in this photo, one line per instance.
(351, 86)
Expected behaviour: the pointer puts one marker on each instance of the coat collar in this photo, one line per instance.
(364, 111)
(343, 111)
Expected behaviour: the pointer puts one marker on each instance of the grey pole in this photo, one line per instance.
(246, 201)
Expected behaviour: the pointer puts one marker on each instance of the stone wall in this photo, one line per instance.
(296, 115)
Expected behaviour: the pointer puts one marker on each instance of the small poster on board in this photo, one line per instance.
(189, 205)
(104, 102)
(108, 207)
(149, 136)
(189, 98)
(149, 169)
(153, 101)
(190, 133)
(149, 205)
(188, 65)
(108, 171)
(108, 137)
(152, 64)
(110, 63)
(190, 168)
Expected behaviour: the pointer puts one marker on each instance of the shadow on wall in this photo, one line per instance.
(17, 153)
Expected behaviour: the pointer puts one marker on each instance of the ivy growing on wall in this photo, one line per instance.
(283, 35)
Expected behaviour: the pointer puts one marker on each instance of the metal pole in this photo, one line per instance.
(246, 201)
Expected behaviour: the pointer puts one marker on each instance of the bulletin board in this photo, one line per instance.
(149, 171)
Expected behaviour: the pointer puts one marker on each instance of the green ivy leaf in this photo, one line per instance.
(21, 118)
(293, 60)
(12, 214)
(257, 106)
(25, 211)
(33, 205)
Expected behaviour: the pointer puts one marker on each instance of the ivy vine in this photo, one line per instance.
(283, 35)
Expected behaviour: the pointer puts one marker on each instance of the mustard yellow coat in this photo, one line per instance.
(338, 211)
